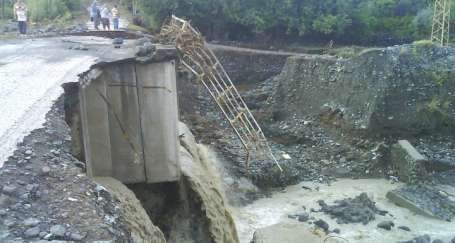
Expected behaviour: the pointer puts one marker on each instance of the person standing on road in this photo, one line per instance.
(95, 14)
(105, 15)
(115, 17)
(20, 12)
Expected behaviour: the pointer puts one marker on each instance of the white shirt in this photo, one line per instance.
(21, 15)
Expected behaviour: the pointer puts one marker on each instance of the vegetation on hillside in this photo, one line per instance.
(346, 21)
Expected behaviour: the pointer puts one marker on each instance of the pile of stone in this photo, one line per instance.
(360, 209)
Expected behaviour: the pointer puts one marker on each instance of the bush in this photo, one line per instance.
(345, 21)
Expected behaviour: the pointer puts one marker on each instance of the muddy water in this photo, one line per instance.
(273, 210)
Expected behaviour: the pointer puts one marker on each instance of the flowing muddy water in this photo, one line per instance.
(269, 211)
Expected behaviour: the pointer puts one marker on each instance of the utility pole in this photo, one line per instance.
(440, 32)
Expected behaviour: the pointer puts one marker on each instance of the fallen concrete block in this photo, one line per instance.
(425, 200)
(408, 162)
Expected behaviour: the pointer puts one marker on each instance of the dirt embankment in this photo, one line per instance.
(334, 117)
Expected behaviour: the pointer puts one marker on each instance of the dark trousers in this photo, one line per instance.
(96, 22)
(22, 27)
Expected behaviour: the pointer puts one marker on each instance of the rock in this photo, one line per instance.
(453, 240)
(142, 41)
(336, 231)
(387, 225)
(405, 228)
(28, 152)
(438, 241)
(352, 210)
(145, 50)
(76, 236)
(9, 190)
(117, 41)
(423, 239)
(3, 212)
(303, 217)
(322, 224)
(31, 222)
(32, 232)
(58, 230)
(408, 162)
(45, 170)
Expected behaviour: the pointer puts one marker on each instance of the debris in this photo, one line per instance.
(360, 209)
(387, 225)
(286, 156)
(424, 200)
(405, 228)
(323, 225)
(303, 217)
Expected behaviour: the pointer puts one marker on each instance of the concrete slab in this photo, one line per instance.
(159, 117)
(409, 163)
(95, 123)
(127, 154)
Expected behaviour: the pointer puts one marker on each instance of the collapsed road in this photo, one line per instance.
(31, 75)
(325, 139)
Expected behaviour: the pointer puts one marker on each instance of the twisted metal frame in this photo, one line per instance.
(202, 62)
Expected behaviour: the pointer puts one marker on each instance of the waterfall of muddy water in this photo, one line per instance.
(269, 211)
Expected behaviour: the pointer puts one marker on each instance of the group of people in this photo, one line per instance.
(100, 14)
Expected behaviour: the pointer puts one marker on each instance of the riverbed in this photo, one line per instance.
(275, 209)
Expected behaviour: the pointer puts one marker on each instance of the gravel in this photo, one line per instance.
(35, 205)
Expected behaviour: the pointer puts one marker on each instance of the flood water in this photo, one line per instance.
(269, 211)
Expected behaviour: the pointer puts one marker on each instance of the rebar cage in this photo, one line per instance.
(202, 62)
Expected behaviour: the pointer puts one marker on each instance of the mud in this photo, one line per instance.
(139, 223)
